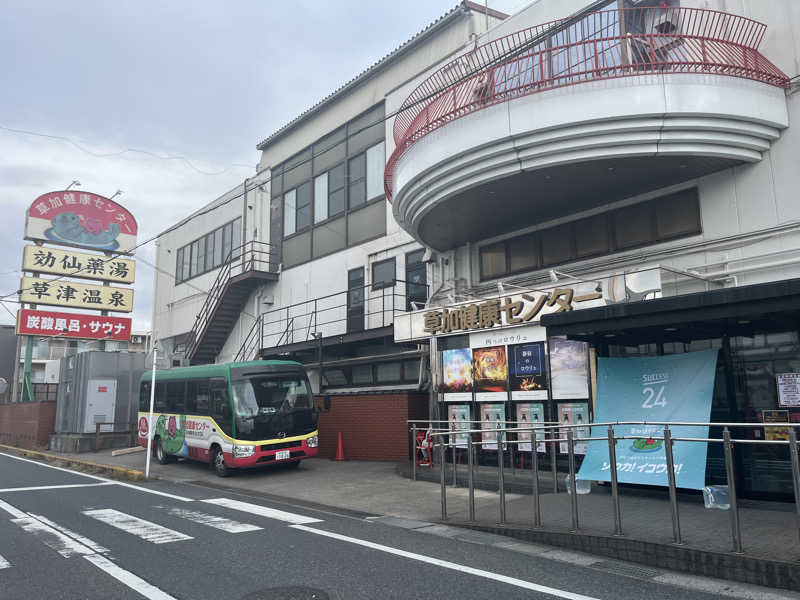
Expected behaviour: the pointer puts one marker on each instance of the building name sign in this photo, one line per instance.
(57, 292)
(72, 325)
(78, 264)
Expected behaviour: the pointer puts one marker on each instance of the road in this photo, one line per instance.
(67, 535)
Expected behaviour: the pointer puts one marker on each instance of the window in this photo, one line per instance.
(388, 372)
(321, 198)
(195, 258)
(289, 212)
(383, 274)
(523, 253)
(355, 300)
(336, 190)
(208, 252)
(633, 225)
(362, 375)
(160, 400)
(335, 377)
(218, 247)
(416, 280)
(179, 265)
(197, 396)
(176, 391)
(557, 245)
(493, 261)
(592, 236)
(303, 200)
(375, 167)
(220, 405)
(144, 397)
(357, 173)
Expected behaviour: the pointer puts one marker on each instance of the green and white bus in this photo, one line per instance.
(233, 415)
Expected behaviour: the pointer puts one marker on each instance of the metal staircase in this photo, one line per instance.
(246, 267)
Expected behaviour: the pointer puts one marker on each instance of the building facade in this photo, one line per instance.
(610, 179)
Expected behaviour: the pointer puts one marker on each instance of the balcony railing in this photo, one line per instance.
(601, 45)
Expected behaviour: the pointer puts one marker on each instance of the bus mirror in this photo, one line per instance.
(327, 402)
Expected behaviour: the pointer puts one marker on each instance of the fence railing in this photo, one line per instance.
(601, 45)
(552, 434)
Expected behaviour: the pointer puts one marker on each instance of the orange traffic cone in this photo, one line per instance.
(339, 449)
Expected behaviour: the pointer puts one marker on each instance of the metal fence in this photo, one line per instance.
(442, 439)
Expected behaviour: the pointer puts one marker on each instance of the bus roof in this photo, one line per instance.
(214, 370)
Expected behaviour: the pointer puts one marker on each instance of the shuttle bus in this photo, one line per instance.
(234, 415)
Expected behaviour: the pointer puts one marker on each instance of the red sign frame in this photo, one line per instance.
(48, 323)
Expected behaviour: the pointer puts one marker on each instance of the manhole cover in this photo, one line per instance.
(627, 569)
(288, 593)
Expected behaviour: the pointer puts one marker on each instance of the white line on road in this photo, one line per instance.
(262, 511)
(36, 488)
(4, 564)
(134, 582)
(146, 530)
(543, 589)
(61, 543)
(222, 523)
(83, 540)
(108, 481)
(13, 511)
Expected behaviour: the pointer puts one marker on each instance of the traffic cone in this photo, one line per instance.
(339, 449)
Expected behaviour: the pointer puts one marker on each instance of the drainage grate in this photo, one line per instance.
(626, 569)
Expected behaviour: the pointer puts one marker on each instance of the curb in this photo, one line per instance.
(109, 470)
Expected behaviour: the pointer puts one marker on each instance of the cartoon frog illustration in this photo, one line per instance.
(172, 436)
(68, 226)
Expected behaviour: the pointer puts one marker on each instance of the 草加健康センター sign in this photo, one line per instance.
(81, 219)
(57, 292)
(679, 388)
(56, 261)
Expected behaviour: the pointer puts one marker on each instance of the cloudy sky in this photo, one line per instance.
(201, 79)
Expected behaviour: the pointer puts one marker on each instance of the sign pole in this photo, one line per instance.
(150, 418)
(27, 390)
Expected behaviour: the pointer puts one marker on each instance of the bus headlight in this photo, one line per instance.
(243, 451)
(313, 441)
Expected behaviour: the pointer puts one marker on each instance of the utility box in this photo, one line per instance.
(97, 387)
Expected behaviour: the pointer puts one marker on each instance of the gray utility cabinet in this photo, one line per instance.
(97, 387)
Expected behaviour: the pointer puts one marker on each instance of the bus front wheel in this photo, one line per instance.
(218, 462)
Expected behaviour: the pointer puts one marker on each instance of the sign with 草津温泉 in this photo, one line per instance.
(673, 388)
(81, 219)
(48, 323)
(56, 261)
(57, 292)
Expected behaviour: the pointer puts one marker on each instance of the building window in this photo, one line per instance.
(416, 280)
(357, 178)
(659, 220)
(208, 252)
(303, 219)
(336, 190)
(376, 162)
(383, 274)
(289, 212)
(321, 198)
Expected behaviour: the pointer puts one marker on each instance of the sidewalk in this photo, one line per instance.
(769, 529)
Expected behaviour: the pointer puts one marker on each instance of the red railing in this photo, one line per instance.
(601, 45)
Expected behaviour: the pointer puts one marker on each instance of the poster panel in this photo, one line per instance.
(493, 416)
(528, 371)
(48, 323)
(57, 292)
(490, 372)
(573, 413)
(530, 414)
(457, 375)
(81, 219)
(677, 387)
(776, 416)
(569, 369)
(55, 261)
(788, 389)
(458, 417)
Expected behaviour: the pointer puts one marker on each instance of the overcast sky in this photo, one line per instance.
(202, 79)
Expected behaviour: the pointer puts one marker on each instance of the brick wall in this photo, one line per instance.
(27, 424)
(373, 426)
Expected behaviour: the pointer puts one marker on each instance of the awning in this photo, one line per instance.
(744, 310)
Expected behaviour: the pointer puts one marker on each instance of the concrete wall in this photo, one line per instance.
(27, 424)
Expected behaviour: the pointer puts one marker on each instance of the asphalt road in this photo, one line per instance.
(66, 535)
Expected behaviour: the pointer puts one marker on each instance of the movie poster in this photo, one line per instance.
(457, 375)
(528, 371)
(574, 413)
(530, 415)
(458, 420)
(569, 369)
(490, 370)
(493, 416)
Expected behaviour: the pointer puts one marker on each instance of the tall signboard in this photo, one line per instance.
(77, 220)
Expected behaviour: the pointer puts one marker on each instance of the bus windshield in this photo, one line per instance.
(267, 405)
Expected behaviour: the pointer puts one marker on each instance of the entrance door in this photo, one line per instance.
(355, 300)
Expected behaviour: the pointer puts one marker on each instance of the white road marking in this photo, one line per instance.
(36, 488)
(13, 511)
(134, 582)
(222, 523)
(263, 511)
(146, 530)
(63, 544)
(4, 564)
(543, 589)
(732, 589)
(96, 477)
(83, 540)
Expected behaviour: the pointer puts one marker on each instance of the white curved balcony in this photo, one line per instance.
(560, 128)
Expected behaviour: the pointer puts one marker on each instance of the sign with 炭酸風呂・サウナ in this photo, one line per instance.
(678, 388)
(58, 292)
(82, 219)
(57, 261)
(46, 323)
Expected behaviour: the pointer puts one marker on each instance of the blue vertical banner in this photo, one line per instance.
(678, 387)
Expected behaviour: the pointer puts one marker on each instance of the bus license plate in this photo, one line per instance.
(282, 454)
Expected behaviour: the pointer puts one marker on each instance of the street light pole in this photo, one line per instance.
(150, 418)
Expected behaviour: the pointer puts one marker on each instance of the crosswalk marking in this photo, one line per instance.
(4, 564)
(263, 511)
(146, 530)
(228, 525)
(58, 541)
(131, 580)
(77, 537)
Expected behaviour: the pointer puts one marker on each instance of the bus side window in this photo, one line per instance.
(160, 403)
(221, 405)
(176, 392)
(197, 397)
(144, 397)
